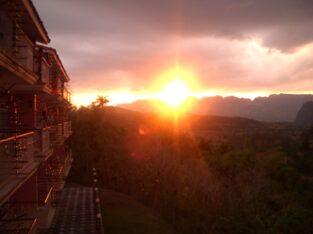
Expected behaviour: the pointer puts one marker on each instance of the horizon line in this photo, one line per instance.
(249, 96)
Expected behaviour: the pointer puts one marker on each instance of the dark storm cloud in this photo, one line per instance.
(283, 24)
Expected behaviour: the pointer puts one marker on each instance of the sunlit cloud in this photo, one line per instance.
(240, 48)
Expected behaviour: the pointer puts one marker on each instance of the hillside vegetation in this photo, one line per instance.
(123, 215)
(252, 178)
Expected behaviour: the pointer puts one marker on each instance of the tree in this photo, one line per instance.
(100, 102)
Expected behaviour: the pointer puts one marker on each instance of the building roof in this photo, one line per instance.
(24, 13)
(37, 29)
(52, 53)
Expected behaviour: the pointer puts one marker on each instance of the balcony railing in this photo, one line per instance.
(15, 153)
(67, 163)
(43, 142)
(18, 225)
(56, 134)
(45, 72)
(67, 129)
(57, 92)
(24, 52)
(15, 43)
(45, 139)
(66, 94)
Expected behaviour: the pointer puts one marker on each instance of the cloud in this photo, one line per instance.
(283, 24)
(240, 45)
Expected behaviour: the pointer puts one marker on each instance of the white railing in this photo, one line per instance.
(15, 153)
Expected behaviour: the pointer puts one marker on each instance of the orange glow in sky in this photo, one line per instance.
(171, 89)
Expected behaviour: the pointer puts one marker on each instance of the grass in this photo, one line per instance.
(123, 215)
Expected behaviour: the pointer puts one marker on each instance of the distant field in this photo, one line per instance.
(123, 215)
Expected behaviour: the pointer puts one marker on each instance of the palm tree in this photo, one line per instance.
(100, 102)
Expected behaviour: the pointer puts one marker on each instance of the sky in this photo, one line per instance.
(121, 48)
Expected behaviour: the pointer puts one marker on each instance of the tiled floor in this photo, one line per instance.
(76, 212)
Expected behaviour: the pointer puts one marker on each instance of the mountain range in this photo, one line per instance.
(274, 108)
(305, 115)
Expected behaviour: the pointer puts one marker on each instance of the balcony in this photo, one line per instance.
(42, 143)
(64, 168)
(56, 134)
(23, 52)
(44, 196)
(19, 217)
(67, 163)
(45, 71)
(57, 92)
(14, 225)
(17, 49)
(17, 162)
(56, 85)
(16, 152)
(66, 95)
(67, 129)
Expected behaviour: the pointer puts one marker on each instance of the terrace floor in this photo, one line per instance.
(76, 212)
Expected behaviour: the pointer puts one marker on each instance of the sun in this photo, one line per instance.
(174, 89)
(175, 93)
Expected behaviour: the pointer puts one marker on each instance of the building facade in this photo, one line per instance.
(34, 121)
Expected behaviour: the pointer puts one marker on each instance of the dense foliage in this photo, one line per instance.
(263, 185)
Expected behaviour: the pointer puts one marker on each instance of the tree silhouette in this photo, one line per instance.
(100, 102)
